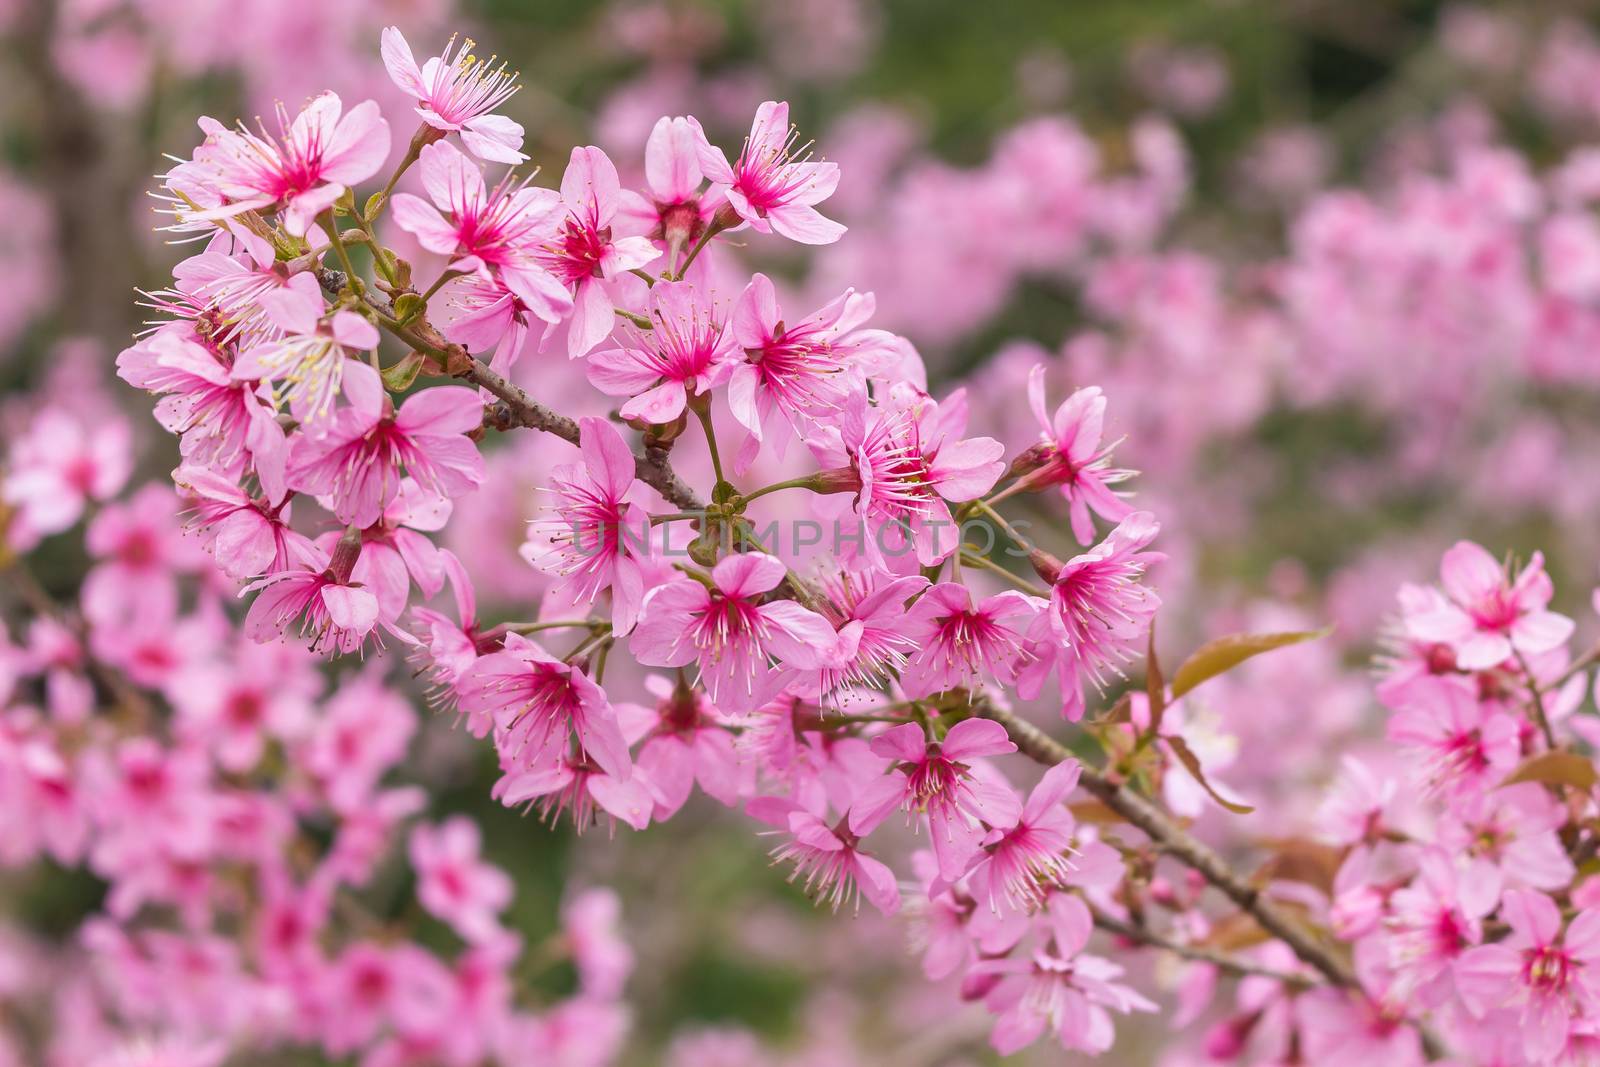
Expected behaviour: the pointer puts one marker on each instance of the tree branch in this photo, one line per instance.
(1178, 842)
(516, 408)
(1221, 960)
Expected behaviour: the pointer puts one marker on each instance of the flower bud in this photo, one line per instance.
(1033, 458)
(1045, 565)
(345, 555)
(836, 480)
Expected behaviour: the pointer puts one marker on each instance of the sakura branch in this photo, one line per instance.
(881, 683)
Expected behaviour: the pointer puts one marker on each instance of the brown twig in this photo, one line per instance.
(516, 407)
(1223, 961)
(1178, 843)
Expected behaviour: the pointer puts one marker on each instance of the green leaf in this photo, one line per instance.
(1225, 653)
(1556, 768)
(1180, 748)
(399, 377)
(408, 307)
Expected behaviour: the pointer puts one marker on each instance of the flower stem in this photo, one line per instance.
(793, 483)
(974, 560)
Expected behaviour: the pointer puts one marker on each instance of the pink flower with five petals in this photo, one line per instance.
(732, 635)
(767, 186)
(455, 93)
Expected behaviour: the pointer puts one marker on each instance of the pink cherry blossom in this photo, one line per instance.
(768, 186)
(689, 743)
(595, 534)
(934, 777)
(1072, 457)
(1099, 612)
(828, 858)
(336, 615)
(493, 234)
(675, 213)
(1488, 616)
(1544, 975)
(1467, 745)
(245, 535)
(579, 787)
(310, 357)
(222, 422)
(792, 370)
(454, 883)
(311, 163)
(58, 466)
(687, 352)
(1059, 989)
(870, 616)
(1434, 921)
(358, 458)
(906, 461)
(585, 255)
(1023, 857)
(963, 643)
(723, 627)
(535, 703)
(456, 93)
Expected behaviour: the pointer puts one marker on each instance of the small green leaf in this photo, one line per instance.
(374, 202)
(408, 307)
(1556, 768)
(1180, 748)
(1225, 653)
(398, 378)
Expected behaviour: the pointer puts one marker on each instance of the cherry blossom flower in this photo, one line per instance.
(337, 615)
(595, 534)
(1058, 989)
(533, 701)
(585, 255)
(935, 777)
(791, 370)
(1098, 612)
(493, 234)
(315, 158)
(1468, 746)
(311, 356)
(835, 870)
(1024, 857)
(245, 535)
(688, 743)
(869, 615)
(675, 213)
(904, 462)
(1433, 921)
(579, 787)
(768, 186)
(356, 461)
(687, 352)
(453, 883)
(58, 466)
(1544, 975)
(223, 422)
(723, 626)
(962, 643)
(456, 93)
(1072, 457)
(1488, 616)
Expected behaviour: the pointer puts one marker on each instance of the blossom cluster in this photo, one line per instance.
(250, 821)
(331, 422)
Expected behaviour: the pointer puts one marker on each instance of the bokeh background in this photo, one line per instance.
(1333, 263)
